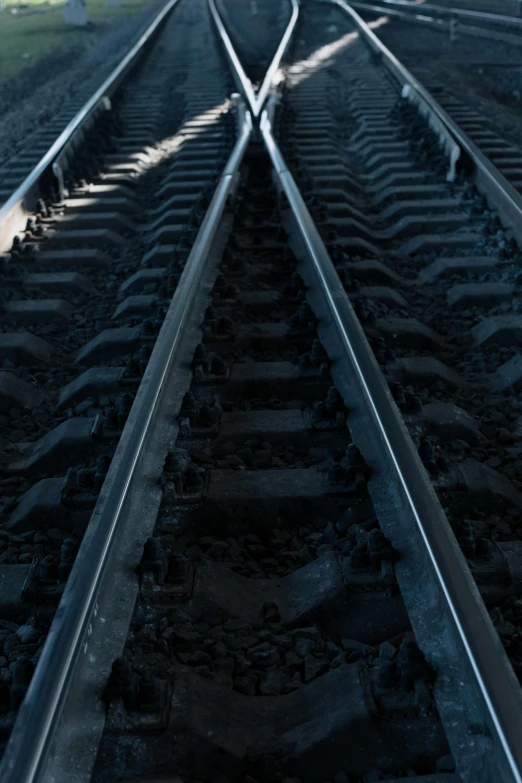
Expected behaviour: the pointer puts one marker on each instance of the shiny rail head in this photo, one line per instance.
(242, 81)
(473, 629)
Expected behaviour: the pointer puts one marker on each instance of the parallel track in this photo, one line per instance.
(236, 485)
(451, 20)
(82, 306)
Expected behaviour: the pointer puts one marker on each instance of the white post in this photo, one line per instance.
(453, 28)
(75, 12)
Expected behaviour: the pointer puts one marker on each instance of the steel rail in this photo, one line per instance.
(476, 635)
(255, 100)
(12, 213)
(243, 83)
(490, 180)
(32, 740)
(274, 65)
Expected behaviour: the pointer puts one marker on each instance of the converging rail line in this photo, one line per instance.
(265, 497)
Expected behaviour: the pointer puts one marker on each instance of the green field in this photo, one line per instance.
(38, 28)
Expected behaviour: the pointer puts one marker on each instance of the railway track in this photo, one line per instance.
(502, 23)
(25, 153)
(505, 154)
(481, 126)
(277, 555)
(85, 290)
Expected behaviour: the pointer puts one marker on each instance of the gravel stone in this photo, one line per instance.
(303, 647)
(352, 645)
(237, 627)
(245, 642)
(27, 634)
(314, 634)
(314, 666)
(224, 678)
(219, 650)
(200, 658)
(272, 681)
(263, 655)
(223, 665)
(293, 660)
(387, 651)
(242, 665)
(244, 685)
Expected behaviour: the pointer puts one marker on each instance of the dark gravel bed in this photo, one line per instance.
(287, 546)
(20, 648)
(264, 659)
(255, 453)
